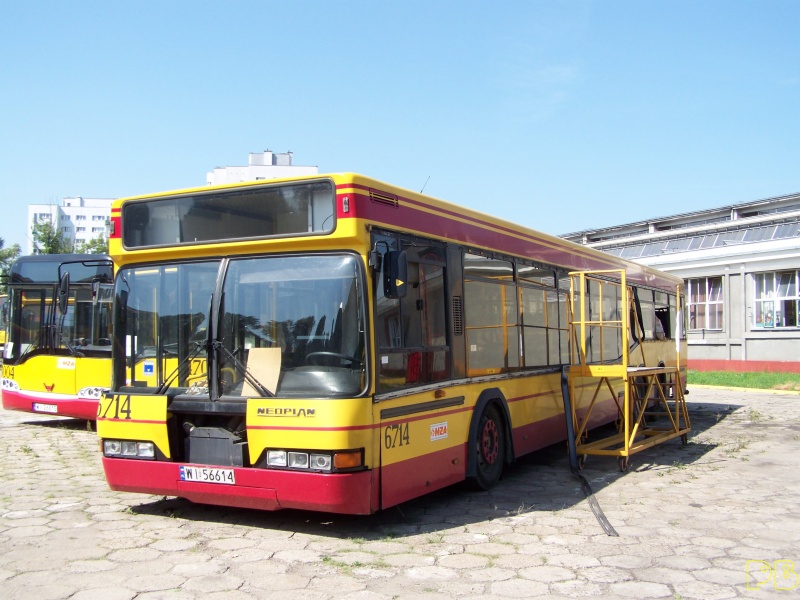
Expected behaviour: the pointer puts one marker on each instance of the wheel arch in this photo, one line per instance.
(487, 397)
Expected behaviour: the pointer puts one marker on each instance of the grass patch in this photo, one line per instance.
(756, 380)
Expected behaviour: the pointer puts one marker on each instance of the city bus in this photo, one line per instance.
(339, 344)
(57, 357)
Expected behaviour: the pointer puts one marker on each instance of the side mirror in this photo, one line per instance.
(395, 274)
(63, 293)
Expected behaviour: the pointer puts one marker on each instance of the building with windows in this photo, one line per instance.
(740, 264)
(260, 165)
(80, 220)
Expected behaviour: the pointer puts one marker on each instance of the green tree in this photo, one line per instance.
(47, 239)
(7, 256)
(98, 245)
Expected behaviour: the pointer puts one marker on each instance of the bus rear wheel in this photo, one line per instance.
(490, 450)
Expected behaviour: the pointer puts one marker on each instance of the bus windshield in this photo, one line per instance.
(286, 326)
(37, 324)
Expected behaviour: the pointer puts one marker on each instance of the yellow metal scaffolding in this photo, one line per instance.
(650, 406)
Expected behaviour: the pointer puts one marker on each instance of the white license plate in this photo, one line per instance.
(208, 475)
(45, 408)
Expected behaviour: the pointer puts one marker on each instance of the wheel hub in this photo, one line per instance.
(490, 444)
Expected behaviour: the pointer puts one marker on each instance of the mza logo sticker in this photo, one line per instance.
(66, 363)
(438, 431)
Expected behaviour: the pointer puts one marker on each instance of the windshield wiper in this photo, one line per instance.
(248, 376)
(59, 332)
(198, 346)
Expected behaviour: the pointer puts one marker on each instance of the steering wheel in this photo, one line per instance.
(312, 358)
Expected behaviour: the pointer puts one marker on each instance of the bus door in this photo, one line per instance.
(418, 451)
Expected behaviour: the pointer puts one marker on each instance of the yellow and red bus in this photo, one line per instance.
(335, 343)
(57, 357)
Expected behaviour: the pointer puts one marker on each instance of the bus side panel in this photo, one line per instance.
(422, 444)
(427, 451)
(537, 411)
(417, 476)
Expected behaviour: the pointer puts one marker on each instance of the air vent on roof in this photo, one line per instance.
(383, 198)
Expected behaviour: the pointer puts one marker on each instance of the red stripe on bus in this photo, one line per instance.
(287, 428)
(409, 419)
(138, 421)
(441, 223)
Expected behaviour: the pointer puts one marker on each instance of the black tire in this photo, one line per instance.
(489, 448)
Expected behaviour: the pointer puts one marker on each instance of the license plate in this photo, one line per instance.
(208, 475)
(45, 408)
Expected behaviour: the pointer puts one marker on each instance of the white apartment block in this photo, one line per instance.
(80, 220)
(260, 165)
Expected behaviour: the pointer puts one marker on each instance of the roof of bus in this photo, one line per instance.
(44, 268)
(577, 253)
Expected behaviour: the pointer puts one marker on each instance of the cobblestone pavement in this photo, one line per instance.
(689, 519)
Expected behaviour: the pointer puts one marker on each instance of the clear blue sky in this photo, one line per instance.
(560, 116)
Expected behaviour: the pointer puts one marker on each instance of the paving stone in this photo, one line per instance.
(463, 561)
(641, 589)
(688, 518)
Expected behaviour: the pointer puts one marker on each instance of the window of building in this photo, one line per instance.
(80, 217)
(705, 303)
(776, 299)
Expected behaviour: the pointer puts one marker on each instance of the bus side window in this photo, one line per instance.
(648, 314)
(663, 322)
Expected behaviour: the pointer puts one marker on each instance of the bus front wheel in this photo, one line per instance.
(490, 449)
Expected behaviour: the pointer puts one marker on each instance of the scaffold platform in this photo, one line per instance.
(649, 400)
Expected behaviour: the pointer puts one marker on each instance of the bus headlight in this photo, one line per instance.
(298, 460)
(344, 460)
(10, 385)
(129, 449)
(321, 462)
(276, 458)
(92, 393)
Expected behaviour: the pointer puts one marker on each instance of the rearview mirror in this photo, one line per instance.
(63, 293)
(395, 274)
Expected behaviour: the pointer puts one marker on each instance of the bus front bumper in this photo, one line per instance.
(57, 405)
(263, 489)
